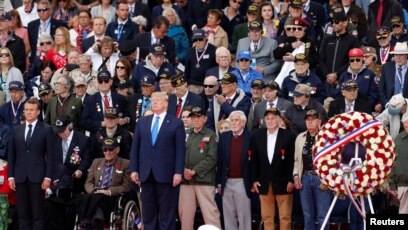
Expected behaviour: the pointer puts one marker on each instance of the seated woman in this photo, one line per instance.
(108, 177)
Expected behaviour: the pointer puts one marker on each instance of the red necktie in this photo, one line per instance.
(178, 109)
(106, 101)
(380, 13)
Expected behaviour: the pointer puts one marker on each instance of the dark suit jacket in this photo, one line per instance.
(387, 82)
(143, 10)
(7, 116)
(129, 31)
(192, 100)
(120, 176)
(32, 161)
(338, 106)
(33, 28)
(223, 160)
(165, 157)
(73, 110)
(260, 108)
(214, 71)
(144, 42)
(63, 170)
(92, 114)
(87, 43)
(135, 109)
(280, 172)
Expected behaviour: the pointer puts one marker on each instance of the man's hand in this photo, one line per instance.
(290, 187)
(176, 179)
(122, 121)
(297, 44)
(259, 69)
(288, 57)
(104, 192)
(187, 174)
(220, 99)
(12, 184)
(134, 176)
(45, 184)
(378, 108)
(77, 174)
(255, 186)
(331, 78)
(298, 184)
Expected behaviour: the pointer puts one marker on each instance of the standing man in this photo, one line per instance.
(272, 170)
(234, 173)
(315, 201)
(30, 159)
(199, 173)
(157, 162)
(123, 28)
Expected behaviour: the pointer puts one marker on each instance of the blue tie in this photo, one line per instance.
(155, 130)
(398, 81)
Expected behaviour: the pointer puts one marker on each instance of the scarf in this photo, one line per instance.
(211, 33)
(80, 34)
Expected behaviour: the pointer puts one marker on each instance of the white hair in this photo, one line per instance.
(140, 20)
(166, 11)
(241, 115)
(221, 49)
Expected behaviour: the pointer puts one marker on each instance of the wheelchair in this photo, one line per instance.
(126, 214)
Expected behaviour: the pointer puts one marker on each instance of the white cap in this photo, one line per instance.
(397, 101)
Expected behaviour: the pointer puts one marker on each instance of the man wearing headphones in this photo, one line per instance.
(271, 92)
(302, 103)
(85, 71)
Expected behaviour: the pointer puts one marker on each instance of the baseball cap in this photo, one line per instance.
(252, 9)
(104, 74)
(255, 25)
(257, 83)
(244, 54)
(157, 49)
(339, 16)
(110, 143)
(272, 85)
(197, 111)
(301, 57)
(178, 80)
(314, 114)
(111, 113)
(44, 88)
(229, 78)
(198, 34)
(272, 110)
(80, 81)
(356, 52)
(301, 90)
(147, 80)
(349, 84)
(62, 122)
(16, 85)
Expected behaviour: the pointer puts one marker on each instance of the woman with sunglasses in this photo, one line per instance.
(123, 72)
(47, 70)
(8, 73)
(269, 24)
(63, 10)
(59, 53)
(177, 32)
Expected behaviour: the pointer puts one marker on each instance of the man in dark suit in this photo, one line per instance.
(44, 25)
(123, 28)
(95, 105)
(393, 74)
(182, 97)
(139, 103)
(11, 112)
(99, 28)
(272, 169)
(223, 59)
(137, 7)
(351, 101)
(157, 36)
(31, 154)
(234, 173)
(157, 162)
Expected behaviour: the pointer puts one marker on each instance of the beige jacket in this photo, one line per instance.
(298, 167)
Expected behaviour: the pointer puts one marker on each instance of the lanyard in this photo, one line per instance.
(202, 54)
(43, 29)
(119, 30)
(15, 110)
(384, 55)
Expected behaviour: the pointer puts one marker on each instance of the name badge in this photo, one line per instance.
(366, 77)
(206, 56)
(116, 32)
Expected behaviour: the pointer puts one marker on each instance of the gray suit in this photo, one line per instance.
(260, 108)
(263, 55)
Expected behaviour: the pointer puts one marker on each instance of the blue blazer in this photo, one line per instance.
(192, 100)
(387, 82)
(165, 157)
(63, 170)
(92, 113)
(128, 32)
(223, 160)
(34, 160)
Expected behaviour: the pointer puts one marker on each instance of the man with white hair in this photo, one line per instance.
(391, 116)
(223, 59)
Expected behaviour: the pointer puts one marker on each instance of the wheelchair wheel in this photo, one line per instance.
(131, 218)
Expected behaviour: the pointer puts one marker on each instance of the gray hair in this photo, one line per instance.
(45, 2)
(140, 20)
(241, 115)
(46, 37)
(221, 49)
(69, 83)
(166, 11)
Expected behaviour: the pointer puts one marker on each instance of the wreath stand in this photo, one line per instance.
(354, 164)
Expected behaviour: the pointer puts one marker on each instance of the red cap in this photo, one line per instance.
(356, 52)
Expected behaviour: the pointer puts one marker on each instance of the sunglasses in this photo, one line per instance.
(42, 10)
(106, 81)
(108, 149)
(45, 43)
(235, 1)
(120, 67)
(335, 21)
(243, 60)
(355, 60)
(4, 55)
(209, 86)
(294, 28)
(199, 40)
(396, 26)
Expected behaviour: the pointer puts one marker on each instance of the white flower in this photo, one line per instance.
(339, 172)
(332, 171)
(324, 168)
(381, 132)
(332, 183)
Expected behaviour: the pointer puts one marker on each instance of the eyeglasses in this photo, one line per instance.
(4, 55)
(355, 60)
(243, 60)
(108, 149)
(238, 2)
(199, 40)
(45, 43)
(42, 10)
(120, 67)
(382, 37)
(335, 21)
(106, 81)
(58, 83)
(396, 26)
(209, 86)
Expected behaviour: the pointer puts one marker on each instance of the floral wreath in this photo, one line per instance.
(360, 177)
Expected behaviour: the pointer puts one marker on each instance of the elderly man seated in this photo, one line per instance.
(108, 177)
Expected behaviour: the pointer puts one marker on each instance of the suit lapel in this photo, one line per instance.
(34, 132)
(99, 104)
(163, 127)
(148, 128)
(71, 147)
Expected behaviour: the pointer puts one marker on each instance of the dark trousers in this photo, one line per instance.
(159, 204)
(30, 205)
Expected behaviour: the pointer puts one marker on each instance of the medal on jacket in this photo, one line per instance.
(200, 57)
(98, 107)
(15, 111)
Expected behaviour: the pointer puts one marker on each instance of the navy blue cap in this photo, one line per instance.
(104, 74)
(198, 34)
(147, 80)
(16, 85)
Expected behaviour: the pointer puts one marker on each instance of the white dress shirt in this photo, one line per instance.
(271, 144)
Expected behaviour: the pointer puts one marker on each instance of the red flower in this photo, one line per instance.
(249, 152)
(202, 144)
(283, 152)
(117, 166)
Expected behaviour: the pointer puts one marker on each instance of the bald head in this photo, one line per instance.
(210, 86)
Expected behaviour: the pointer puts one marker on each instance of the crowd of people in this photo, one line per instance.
(178, 98)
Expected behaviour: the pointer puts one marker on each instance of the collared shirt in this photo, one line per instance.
(109, 97)
(122, 22)
(271, 144)
(244, 74)
(306, 6)
(154, 40)
(351, 109)
(404, 70)
(232, 97)
(32, 128)
(162, 116)
(221, 73)
(68, 142)
(252, 45)
(275, 103)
